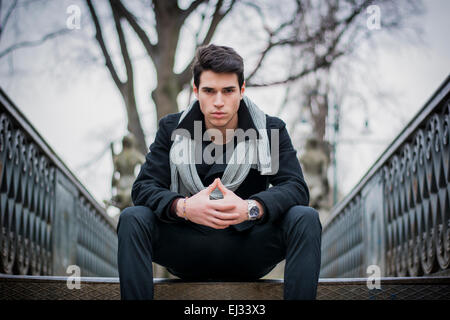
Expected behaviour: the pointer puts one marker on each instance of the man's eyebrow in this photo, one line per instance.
(208, 88)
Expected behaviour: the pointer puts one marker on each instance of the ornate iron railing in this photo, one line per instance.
(398, 216)
(48, 220)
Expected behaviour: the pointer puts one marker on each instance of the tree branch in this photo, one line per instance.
(8, 14)
(271, 35)
(321, 62)
(217, 17)
(99, 36)
(194, 5)
(123, 45)
(34, 43)
(260, 60)
(142, 35)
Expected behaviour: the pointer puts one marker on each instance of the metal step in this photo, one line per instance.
(56, 288)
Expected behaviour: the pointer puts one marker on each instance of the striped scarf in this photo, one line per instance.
(247, 154)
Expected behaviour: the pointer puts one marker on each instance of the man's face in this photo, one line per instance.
(219, 97)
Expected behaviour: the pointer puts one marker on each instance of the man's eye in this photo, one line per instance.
(229, 90)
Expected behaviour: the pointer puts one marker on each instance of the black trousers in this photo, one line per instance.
(203, 253)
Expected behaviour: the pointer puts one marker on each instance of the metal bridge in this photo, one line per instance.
(397, 218)
(398, 215)
(48, 220)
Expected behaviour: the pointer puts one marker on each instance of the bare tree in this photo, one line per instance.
(4, 19)
(169, 19)
(319, 33)
(315, 33)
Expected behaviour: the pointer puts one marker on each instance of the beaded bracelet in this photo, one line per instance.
(184, 208)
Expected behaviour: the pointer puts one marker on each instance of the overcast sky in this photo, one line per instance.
(78, 110)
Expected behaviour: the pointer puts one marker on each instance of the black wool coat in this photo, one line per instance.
(277, 193)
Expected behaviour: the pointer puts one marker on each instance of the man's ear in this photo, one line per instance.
(195, 89)
(242, 89)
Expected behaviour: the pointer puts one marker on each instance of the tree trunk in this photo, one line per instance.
(169, 22)
(317, 104)
(134, 123)
(165, 95)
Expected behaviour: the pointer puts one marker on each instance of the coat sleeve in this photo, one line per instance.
(152, 185)
(288, 185)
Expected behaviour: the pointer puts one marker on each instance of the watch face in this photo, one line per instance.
(254, 212)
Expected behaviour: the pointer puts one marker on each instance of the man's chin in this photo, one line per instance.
(218, 123)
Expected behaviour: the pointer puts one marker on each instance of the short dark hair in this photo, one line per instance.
(219, 59)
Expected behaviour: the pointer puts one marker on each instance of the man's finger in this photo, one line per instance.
(222, 188)
(212, 186)
(215, 226)
(226, 216)
(211, 224)
(222, 206)
(219, 222)
(228, 223)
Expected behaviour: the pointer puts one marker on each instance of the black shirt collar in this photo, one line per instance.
(245, 120)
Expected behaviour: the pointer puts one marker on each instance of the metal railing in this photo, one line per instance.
(48, 220)
(398, 216)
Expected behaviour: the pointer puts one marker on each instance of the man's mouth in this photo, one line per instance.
(218, 114)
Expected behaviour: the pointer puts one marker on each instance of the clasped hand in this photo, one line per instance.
(217, 214)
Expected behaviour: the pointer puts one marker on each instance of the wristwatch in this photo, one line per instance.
(253, 210)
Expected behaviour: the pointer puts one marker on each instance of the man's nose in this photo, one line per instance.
(218, 101)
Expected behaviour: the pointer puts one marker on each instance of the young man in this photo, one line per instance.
(203, 206)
